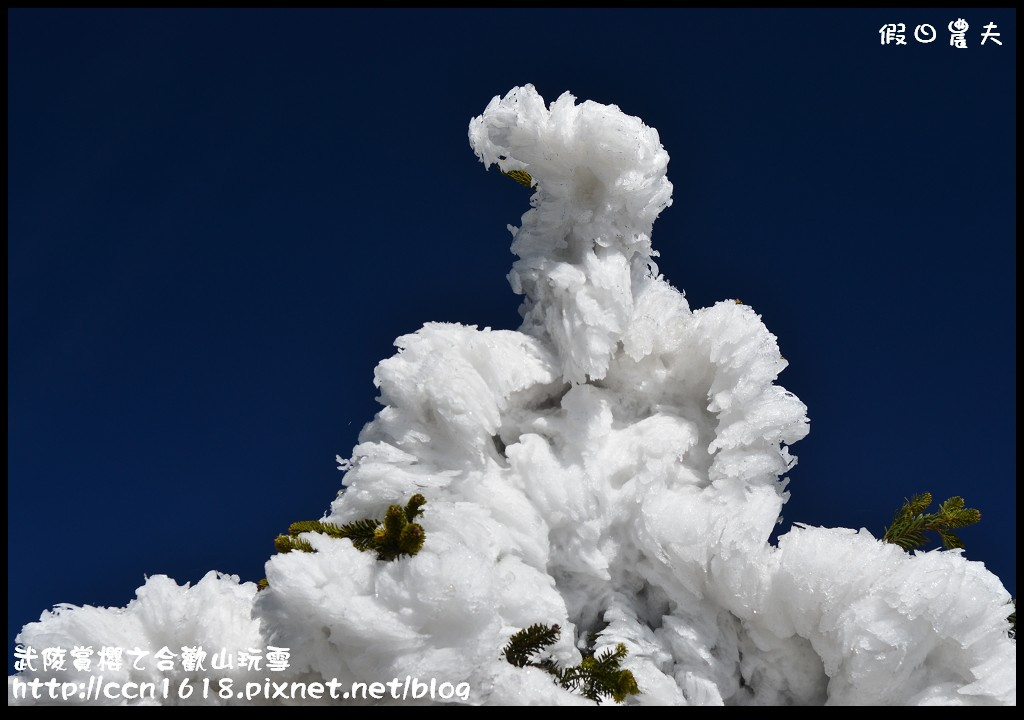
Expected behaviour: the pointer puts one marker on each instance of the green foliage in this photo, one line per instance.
(360, 532)
(911, 522)
(395, 536)
(602, 675)
(413, 508)
(398, 535)
(287, 543)
(530, 641)
(520, 176)
(595, 677)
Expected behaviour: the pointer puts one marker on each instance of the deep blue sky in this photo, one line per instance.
(219, 222)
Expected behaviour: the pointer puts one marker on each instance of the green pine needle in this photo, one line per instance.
(520, 176)
(413, 507)
(529, 641)
(593, 678)
(360, 532)
(911, 522)
(410, 539)
(303, 526)
(396, 536)
(287, 543)
(394, 520)
(917, 504)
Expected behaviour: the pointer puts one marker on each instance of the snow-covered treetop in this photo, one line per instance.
(614, 467)
(585, 247)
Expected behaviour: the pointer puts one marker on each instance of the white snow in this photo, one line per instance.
(615, 466)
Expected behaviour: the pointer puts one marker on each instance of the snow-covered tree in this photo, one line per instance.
(615, 467)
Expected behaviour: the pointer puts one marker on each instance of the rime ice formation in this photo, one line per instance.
(615, 467)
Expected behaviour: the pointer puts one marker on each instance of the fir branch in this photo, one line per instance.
(520, 176)
(611, 659)
(622, 686)
(297, 528)
(360, 532)
(413, 508)
(911, 522)
(287, 543)
(394, 521)
(917, 504)
(602, 676)
(951, 505)
(573, 679)
(593, 678)
(950, 541)
(528, 641)
(396, 536)
(410, 540)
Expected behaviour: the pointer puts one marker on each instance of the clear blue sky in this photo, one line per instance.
(219, 222)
